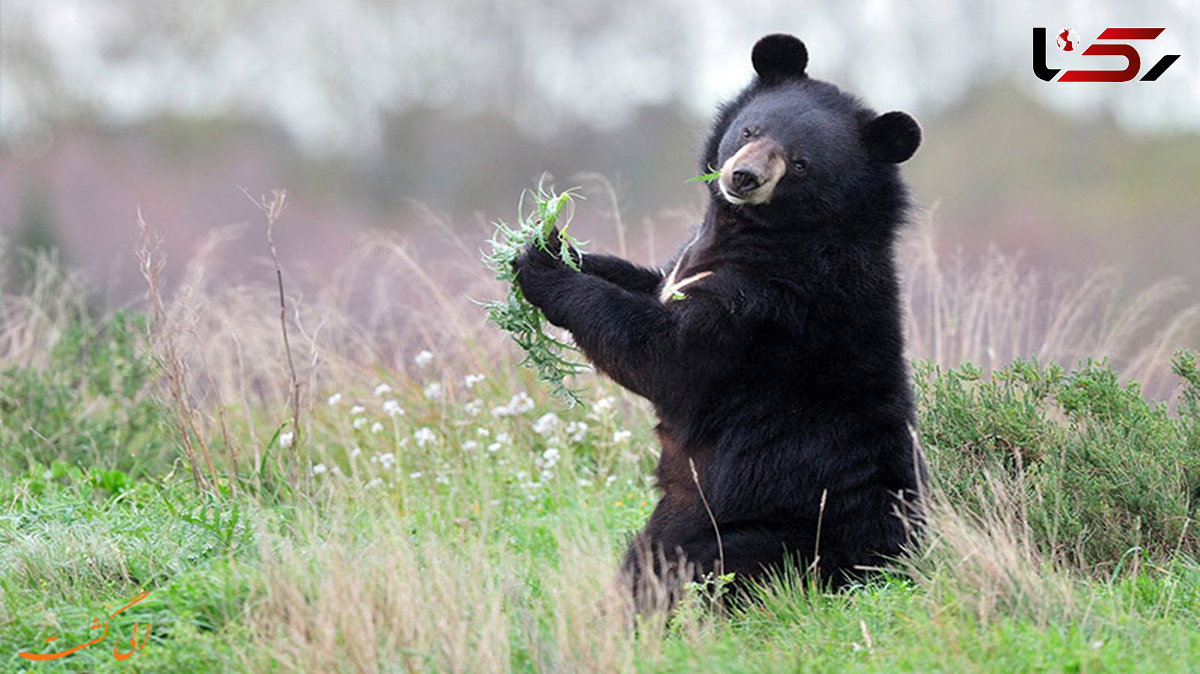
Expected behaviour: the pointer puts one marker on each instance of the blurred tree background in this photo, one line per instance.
(374, 113)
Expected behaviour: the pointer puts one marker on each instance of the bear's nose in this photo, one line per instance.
(745, 180)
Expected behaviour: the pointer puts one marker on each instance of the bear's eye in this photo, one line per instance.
(800, 164)
(748, 132)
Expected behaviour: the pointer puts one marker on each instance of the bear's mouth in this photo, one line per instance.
(751, 174)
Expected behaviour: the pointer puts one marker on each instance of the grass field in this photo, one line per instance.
(428, 507)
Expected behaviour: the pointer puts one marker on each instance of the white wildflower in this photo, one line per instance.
(382, 389)
(355, 452)
(359, 422)
(415, 475)
(423, 359)
(335, 399)
(604, 404)
(621, 436)
(521, 403)
(374, 482)
(319, 469)
(385, 460)
(424, 436)
(576, 430)
(546, 423)
(518, 404)
(376, 427)
(433, 391)
(551, 456)
(470, 446)
(474, 408)
(392, 408)
(285, 439)
(472, 379)
(356, 410)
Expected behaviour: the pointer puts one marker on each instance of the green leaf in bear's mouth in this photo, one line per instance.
(712, 175)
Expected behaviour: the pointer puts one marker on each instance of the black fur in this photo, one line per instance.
(781, 376)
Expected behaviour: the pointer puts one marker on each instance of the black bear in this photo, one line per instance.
(772, 348)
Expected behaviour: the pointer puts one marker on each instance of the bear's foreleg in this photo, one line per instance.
(627, 334)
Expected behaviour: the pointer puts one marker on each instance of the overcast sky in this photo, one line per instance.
(330, 72)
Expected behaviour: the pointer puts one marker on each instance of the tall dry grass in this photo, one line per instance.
(395, 294)
(988, 562)
(992, 308)
(339, 597)
(346, 590)
(257, 358)
(32, 322)
(378, 306)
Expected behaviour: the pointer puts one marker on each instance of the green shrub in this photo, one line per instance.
(88, 406)
(1105, 473)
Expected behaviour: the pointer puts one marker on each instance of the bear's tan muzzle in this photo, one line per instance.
(751, 174)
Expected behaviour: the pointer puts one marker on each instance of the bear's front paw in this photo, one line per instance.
(551, 253)
(539, 272)
(535, 259)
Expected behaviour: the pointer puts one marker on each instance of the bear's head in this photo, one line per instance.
(792, 142)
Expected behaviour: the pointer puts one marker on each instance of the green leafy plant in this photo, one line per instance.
(214, 513)
(90, 404)
(701, 599)
(1101, 470)
(551, 358)
(712, 175)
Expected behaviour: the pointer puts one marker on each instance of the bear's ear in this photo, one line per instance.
(892, 137)
(778, 56)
